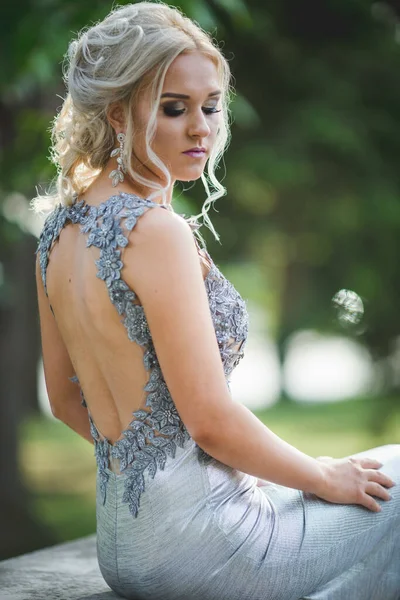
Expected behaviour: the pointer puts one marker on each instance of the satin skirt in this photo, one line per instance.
(208, 532)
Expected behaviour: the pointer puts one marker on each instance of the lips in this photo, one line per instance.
(195, 154)
(198, 149)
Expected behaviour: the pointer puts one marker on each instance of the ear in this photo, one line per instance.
(116, 116)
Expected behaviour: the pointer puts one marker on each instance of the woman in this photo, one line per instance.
(196, 498)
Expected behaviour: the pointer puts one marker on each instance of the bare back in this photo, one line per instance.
(91, 271)
(110, 367)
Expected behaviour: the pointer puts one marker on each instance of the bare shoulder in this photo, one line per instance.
(161, 247)
(157, 223)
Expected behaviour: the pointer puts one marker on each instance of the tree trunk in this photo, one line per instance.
(19, 348)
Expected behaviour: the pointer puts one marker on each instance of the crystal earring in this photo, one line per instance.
(117, 175)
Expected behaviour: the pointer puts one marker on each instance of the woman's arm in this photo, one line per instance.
(236, 437)
(164, 270)
(76, 417)
(64, 395)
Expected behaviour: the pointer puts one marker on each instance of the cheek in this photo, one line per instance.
(169, 138)
(166, 133)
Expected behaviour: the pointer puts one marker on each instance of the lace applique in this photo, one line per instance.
(100, 447)
(50, 232)
(156, 430)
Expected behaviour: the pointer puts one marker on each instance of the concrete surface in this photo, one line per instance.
(64, 572)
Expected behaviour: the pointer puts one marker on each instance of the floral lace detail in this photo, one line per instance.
(156, 430)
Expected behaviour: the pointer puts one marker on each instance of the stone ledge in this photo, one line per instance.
(67, 571)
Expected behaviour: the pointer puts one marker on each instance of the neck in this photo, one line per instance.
(101, 188)
(133, 187)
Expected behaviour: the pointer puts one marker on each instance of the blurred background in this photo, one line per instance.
(310, 236)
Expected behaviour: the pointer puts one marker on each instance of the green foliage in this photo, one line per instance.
(319, 77)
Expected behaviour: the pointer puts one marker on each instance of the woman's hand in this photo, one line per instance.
(353, 481)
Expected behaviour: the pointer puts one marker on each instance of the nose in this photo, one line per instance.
(198, 125)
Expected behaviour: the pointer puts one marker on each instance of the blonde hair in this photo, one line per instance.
(116, 60)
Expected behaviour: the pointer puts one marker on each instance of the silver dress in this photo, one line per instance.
(174, 523)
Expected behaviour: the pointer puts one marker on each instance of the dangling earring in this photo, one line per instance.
(117, 175)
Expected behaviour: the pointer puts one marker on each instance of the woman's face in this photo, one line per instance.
(182, 122)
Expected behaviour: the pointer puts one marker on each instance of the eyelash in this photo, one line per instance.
(173, 112)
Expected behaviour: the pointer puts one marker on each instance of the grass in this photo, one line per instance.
(335, 429)
(60, 469)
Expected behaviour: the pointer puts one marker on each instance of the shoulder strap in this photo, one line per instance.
(51, 230)
(108, 227)
(105, 225)
(108, 230)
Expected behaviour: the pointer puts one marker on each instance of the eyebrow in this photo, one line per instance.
(185, 97)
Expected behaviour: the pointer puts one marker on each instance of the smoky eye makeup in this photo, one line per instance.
(172, 110)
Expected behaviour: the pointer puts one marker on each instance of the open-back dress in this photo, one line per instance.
(174, 523)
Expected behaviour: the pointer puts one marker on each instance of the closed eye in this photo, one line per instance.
(173, 112)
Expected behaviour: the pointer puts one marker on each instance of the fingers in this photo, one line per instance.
(366, 462)
(380, 477)
(376, 484)
(370, 503)
(375, 489)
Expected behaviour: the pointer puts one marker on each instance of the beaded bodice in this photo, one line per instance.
(156, 429)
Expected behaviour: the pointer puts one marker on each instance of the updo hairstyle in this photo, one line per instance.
(118, 59)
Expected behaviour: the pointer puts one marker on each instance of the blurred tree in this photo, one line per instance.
(320, 156)
(33, 42)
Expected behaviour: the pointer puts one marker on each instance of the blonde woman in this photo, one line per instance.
(196, 498)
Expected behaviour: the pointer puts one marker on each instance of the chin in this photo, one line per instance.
(192, 176)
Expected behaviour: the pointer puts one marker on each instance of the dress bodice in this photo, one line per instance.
(156, 429)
